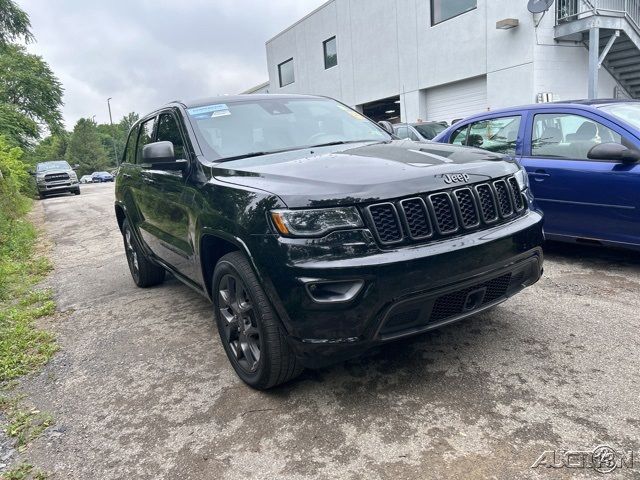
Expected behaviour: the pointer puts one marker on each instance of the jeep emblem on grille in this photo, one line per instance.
(456, 178)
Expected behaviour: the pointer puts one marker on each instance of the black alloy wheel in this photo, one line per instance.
(239, 322)
(250, 331)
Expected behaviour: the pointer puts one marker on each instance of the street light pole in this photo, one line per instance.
(109, 105)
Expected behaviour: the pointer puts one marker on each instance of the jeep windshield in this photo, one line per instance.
(240, 129)
(43, 167)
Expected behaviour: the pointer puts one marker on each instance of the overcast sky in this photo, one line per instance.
(144, 53)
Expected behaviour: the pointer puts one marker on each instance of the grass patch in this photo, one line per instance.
(24, 424)
(23, 347)
(24, 471)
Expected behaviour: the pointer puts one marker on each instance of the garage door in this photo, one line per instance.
(457, 100)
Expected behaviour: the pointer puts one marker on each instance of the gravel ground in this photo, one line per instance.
(142, 388)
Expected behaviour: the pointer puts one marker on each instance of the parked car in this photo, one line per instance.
(314, 233)
(419, 132)
(55, 177)
(582, 159)
(86, 179)
(100, 177)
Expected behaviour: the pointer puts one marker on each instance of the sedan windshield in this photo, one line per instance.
(627, 112)
(232, 130)
(43, 167)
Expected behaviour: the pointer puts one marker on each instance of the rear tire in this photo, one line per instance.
(249, 329)
(144, 273)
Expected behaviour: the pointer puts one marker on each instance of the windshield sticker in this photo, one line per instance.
(209, 110)
(220, 113)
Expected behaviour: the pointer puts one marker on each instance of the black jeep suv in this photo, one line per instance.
(314, 232)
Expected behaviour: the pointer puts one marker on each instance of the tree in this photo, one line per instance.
(28, 84)
(85, 148)
(127, 122)
(54, 147)
(16, 127)
(14, 23)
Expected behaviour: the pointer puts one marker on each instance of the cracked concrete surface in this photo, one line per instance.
(142, 389)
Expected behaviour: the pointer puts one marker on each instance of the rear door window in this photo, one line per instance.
(498, 135)
(145, 137)
(130, 150)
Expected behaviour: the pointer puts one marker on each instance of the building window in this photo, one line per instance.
(285, 71)
(330, 53)
(442, 10)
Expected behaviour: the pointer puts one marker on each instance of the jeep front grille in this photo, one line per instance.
(386, 222)
(446, 213)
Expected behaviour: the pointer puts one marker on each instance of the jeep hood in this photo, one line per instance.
(361, 173)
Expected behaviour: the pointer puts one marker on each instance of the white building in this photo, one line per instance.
(446, 59)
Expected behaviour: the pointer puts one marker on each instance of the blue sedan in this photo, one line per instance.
(100, 177)
(582, 159)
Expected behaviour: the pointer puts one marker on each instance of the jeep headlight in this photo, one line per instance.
(73, 176)
(40, 178)
(315, 222)
(522, 178)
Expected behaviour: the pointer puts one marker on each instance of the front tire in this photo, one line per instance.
(76, 191)
(144, 273)
(249, 330)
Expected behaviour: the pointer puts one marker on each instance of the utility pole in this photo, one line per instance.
(115, 149)
(109, 106)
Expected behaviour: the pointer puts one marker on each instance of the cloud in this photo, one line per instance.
(144, 53)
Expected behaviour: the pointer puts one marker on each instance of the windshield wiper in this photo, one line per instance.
(263, 153)
(255, 154)
(343, 142)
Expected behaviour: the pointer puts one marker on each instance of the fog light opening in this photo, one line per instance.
(322, 291)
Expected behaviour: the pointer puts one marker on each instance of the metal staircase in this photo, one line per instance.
(611, 31)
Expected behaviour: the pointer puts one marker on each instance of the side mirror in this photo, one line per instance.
(614, 152)
(387, 127)
(32, 172)
(160, 156)
(77, 165)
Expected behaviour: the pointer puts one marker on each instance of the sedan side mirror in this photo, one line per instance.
(160, 156)
(387, 127)
(614, 152)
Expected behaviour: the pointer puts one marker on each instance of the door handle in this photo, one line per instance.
(539, 175)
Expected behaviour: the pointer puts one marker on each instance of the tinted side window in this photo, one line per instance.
(130, 150)
(168, 131)
(145, 137)
(498, 135)
(562, 135)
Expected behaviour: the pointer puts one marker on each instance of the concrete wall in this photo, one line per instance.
(389, 47)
